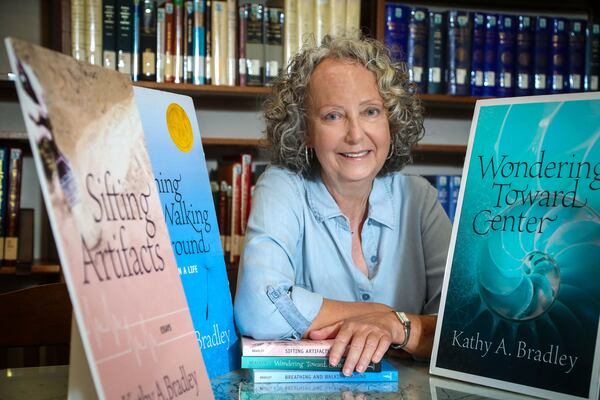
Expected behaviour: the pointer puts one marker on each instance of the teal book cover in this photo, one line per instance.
(521, 299)
(175, 147)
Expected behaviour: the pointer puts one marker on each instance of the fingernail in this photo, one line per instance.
(333, 362)
(360, 368)
(347, 372)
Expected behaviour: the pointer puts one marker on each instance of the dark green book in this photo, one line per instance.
(297, 363)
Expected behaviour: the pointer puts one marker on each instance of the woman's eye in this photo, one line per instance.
(332, 116)
(372, 112)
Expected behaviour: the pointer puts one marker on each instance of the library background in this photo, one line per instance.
(224, 54)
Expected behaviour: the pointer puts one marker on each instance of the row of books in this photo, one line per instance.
(303, 361)
(11, 166)
(448, 187)
(226, 42)
(486, 54)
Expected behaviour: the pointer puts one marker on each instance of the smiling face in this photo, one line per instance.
(348, 124)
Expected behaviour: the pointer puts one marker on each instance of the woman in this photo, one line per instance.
(338, 239)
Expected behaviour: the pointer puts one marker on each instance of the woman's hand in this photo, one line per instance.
(364, 339)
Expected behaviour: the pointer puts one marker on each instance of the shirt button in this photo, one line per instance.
(373, 258)
(365, 296)
(369, 223)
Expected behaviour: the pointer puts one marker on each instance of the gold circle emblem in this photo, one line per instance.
(180, 127)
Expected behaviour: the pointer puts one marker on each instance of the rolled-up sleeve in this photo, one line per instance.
(268, 304)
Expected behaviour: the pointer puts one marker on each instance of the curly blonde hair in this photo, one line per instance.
(285, 111)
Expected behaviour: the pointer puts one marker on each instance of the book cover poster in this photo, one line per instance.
(88, 146)
(175, 148)
(521, 295)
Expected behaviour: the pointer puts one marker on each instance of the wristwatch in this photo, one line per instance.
(406, 324)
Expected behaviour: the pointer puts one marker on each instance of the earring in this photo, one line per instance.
(392, 150)
(308, 151)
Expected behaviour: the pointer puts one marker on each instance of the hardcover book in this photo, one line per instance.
(416, 48)
(576, 57)
(124, 36)
(478, 42)
(592, 58)
(388, 373)
(436, 53)
(505, 58)
(519, 307)
(13, 204)
(4, 152)
(524, 56)
(459, 52)
(109, 43)
(541, 55)
(129, 307)
(559, 47)
(396, 30)
(175, 148)
(490, 48)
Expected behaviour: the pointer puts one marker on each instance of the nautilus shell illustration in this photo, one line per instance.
(521, 274)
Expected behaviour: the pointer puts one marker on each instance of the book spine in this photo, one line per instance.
(199, 40)
(459, 52)
(306, 22)
(505, 57)
(353, 18)
(290, 33)
(277, 376)
(222, 214)
(298, 363)
(236, 207)
(337, 17)
(592, 58)
(135, 47)
(436, 53)
(524, 57)
(4, 161)
(148, 40)
(208, 71)
(416, 48)
(558, 55)
(232, 46)
(188, 42)
(160, 44)
(273, 20)
(78, 45)
(541, 54)
(169, 41)
(254, 45)
(219, 42)
(396, 30)
(490, 47)
(11, 240)
(576, 58)
(93, 24)
(477, 53)
(243, 27)
(441, 185)
(125, 36)
(246, 183)
(179, 39)
(322, 24)
(453, 191)
(109, 43)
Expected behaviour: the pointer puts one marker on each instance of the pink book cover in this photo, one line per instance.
(286, 348)
(87, 143)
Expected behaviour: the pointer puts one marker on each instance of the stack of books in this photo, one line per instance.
(304, 361)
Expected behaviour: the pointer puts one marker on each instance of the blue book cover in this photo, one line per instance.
(459, 53)
(436, 53)
(524, 56)
(559, 44)
(541, 54)
(505, 56)
(453, 190)
(416, 48)
(395, 35)
(388, 373)
(477, 54)
(175, 147)
(592, 58)
(576, 58)
(489, 55)
(199, 34)
(520, 303)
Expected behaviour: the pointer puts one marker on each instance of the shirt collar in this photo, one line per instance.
(323, 206)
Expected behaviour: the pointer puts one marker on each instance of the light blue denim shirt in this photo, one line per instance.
(298, 251)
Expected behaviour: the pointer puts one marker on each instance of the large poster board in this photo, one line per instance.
(521, 297)
(88, 146)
